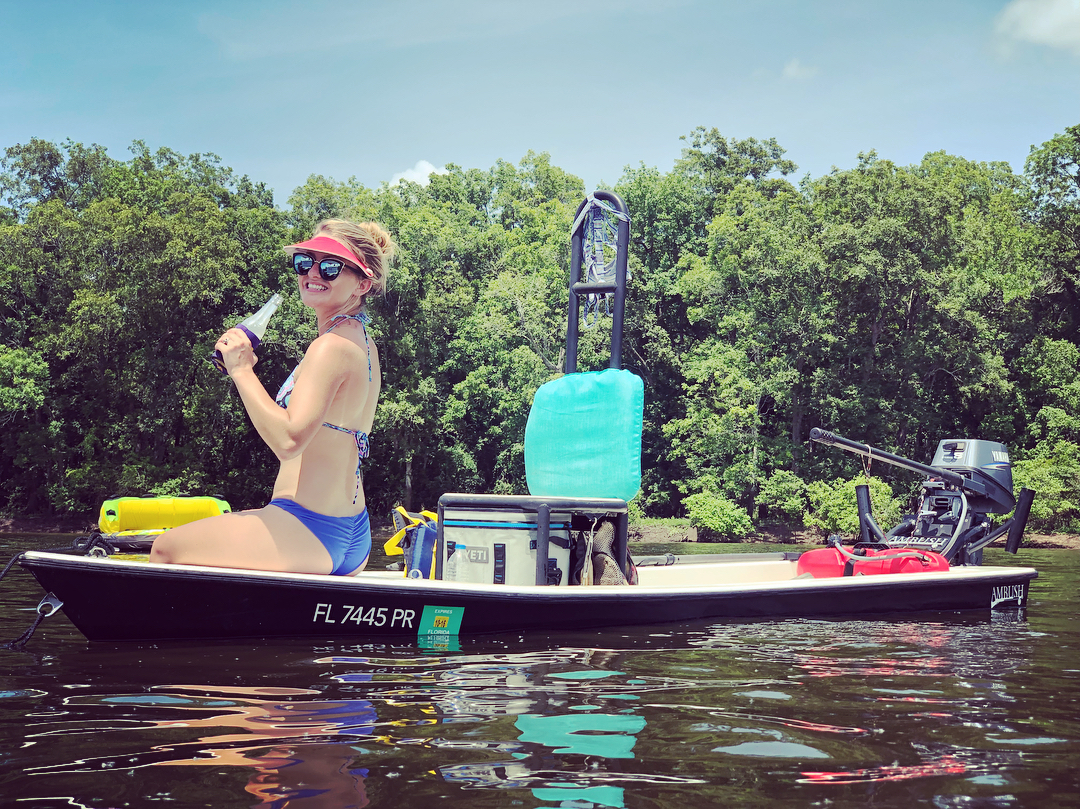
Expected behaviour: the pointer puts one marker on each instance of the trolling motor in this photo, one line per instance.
(968, 481)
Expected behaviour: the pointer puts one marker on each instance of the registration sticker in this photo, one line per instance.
(438, 621)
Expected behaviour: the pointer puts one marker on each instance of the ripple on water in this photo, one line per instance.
(20, 693)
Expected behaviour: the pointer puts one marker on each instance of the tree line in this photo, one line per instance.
(898, 305)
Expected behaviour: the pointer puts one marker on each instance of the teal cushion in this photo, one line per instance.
(583, 436)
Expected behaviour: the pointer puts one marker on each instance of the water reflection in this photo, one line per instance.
(309, 776)
(288, 739)
(576, 724)
(297, 749)
(943, 711)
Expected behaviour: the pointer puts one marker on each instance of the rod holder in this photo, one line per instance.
(867, 524)
(543, 539)
(1020, 518)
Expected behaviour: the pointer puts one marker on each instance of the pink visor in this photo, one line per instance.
(329, 247)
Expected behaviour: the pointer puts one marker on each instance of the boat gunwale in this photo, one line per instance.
(380, 580)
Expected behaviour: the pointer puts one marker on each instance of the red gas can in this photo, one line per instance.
(827, 563)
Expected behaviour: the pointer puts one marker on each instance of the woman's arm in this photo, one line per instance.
(288, 431)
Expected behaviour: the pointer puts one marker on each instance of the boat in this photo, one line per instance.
(557, 559)
(110, 599)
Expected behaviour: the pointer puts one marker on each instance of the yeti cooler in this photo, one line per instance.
(498, 546)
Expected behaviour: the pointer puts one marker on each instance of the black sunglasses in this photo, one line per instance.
(329, 268)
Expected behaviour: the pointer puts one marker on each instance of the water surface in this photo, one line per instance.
(945, 711)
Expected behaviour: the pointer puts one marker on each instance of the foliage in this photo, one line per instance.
(784, 497)
(833, 507)
(897, 305)
(1054, 172)
(716, 517)
(24, 380)
(116, 278)
(1054, 473)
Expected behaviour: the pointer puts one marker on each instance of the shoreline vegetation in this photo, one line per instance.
(640, 532)
(897, 305)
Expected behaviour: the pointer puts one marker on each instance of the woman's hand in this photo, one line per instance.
(236, 351)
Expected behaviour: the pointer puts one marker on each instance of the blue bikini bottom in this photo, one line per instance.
(346, 539)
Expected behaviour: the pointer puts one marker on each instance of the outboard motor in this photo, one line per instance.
(968, 481)
(952, 518)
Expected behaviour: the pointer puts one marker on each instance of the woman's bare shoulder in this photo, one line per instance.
(333, 349)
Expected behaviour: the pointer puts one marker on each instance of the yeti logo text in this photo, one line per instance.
(478, 556)
(1007, 592)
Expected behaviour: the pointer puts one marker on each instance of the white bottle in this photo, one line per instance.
(450, 565)
(254, 327)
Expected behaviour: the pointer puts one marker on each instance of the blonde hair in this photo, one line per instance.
(369, 242)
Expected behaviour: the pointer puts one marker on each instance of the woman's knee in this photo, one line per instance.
(163, 551)
(179, 545)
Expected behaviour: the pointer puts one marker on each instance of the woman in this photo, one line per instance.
(317, 425)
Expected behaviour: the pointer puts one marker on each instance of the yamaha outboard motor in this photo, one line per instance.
(950, 517)
(968, 481)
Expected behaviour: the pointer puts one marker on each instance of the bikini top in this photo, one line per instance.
(363, 445)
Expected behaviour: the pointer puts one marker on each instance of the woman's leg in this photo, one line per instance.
(262, 539)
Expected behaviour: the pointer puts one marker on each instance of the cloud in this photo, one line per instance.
(797, 71)
(420, 173)
(1054, 23)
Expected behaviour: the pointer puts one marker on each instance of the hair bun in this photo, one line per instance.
(386, 244)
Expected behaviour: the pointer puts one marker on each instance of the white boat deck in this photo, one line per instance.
(683, 578)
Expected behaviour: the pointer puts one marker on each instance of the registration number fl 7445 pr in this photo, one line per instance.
(396, 618)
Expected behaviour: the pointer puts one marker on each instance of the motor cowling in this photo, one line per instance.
(986, 462)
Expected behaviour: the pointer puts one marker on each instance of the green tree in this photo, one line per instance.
(120, 298)
(898, 305)
(40, 171)
(917, 351)
(784, 497)
(1053, 471)
(834, 510)
(718, 164)
(1053, 170)
(717, 518)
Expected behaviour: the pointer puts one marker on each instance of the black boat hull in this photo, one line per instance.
(113, 600)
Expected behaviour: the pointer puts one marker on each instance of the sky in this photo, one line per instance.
(380, 89)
